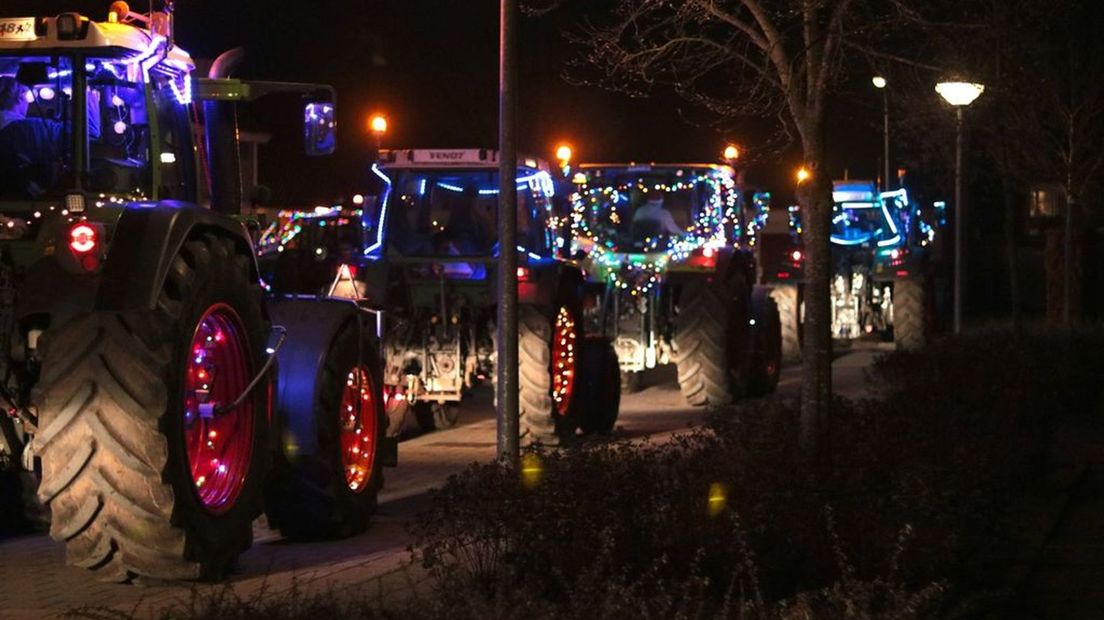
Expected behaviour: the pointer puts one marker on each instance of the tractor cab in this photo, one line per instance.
(93, 112)
(440, 211)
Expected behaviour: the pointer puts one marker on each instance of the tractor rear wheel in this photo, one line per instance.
(333, 493)
(599, 392)
(547, 354)
(911, 314)
(711, 340)
(788, 299)
(147, 470)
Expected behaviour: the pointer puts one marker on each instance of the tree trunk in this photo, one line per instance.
(1012, 251)
(815, 198)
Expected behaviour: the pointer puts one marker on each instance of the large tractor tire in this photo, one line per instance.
(599, 393)
(333, 492)
(711, 331)
(147, 470)
(547, 354)
(788, 299)
(765, 366)
(911, 314)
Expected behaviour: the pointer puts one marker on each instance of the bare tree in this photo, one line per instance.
(777, 59)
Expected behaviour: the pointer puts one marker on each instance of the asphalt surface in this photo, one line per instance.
(37, 583)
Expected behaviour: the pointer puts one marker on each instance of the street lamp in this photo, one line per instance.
(731, 153)
(880, 83)
(563, 155)
(378, 125)
(803, 175)
(960, 95)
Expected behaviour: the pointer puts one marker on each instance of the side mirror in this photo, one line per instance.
(319, 128)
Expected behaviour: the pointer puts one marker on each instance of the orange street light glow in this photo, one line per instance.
(378, 124)
(564, 153)
(731, 152)
(803, 174)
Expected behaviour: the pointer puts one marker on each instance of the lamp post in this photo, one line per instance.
(563, 155)
(960, 95)
(507, 345)
(880, 83)
(378, 125)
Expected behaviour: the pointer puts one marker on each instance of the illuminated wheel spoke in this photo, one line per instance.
(564, 337)
(358, 428)
(219, 443)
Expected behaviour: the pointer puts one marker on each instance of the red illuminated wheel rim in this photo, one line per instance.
(564, 335)
(219, 440)
(359, 429)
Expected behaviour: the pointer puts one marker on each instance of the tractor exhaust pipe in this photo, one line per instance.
(223, 148)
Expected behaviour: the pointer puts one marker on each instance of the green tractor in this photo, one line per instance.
(137, 376)
(667, 249)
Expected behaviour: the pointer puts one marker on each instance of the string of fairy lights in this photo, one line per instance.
(289, 224)
(645, 268)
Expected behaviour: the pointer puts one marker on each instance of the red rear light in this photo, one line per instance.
(796, 255)
(705, 258)
(82, 238)
(523, 274)
(347, 272)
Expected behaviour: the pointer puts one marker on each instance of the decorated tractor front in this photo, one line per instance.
(667, 253)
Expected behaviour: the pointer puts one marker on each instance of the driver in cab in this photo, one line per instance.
(653, 216)
(25, 141)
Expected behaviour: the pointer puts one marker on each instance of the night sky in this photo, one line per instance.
(431, 67)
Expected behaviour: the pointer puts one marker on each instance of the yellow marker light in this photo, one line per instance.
(378, 124)
(731, 152)
(803, 174)
(531, 470)
(718, 497)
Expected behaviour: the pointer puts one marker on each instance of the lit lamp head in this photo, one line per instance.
(959, 93)
(731, 153)
(563, 154)
(378, 124)
(803, 175)
(878, 81)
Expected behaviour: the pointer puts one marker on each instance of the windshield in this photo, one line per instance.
(854, 224)
(649, 210)
(38, 120)
(454, 212)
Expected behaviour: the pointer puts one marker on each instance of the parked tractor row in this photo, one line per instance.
(174, 368)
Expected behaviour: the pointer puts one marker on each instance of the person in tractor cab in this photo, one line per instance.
(652, 218)
(27, 145)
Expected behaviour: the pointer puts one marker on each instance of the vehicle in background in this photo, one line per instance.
(668, 254)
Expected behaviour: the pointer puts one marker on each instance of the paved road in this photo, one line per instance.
(35, 582)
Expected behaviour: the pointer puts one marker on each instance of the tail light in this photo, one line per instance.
(524, 274)
(797, 256)
(83, 238)
(85, 244)
(704, 258)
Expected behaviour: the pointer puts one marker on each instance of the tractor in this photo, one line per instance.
(882, 261)
(668, 253)
(425, 246)
(142, 395)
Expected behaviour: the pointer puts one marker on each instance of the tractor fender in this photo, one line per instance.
(145, 241)
(312, 323)
(142, 242)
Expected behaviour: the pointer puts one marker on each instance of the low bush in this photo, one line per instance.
(731, 521)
